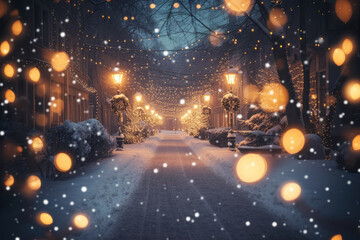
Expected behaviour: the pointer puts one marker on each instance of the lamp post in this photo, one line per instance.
(207, 97)
(138, 97)
(119, 103)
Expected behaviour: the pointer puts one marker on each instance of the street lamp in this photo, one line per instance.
(231, 77)
(117, 78)
(207, 97)
(138, 97)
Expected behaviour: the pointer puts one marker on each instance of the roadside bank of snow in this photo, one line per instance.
(330, 198)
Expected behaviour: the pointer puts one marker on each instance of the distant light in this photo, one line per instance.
(165, 53)
(239, 116)
(198, 6)
(62, 34)
(182, 101)
(81, 221)
(176, 5)
(152, 5)
(267, 65)
(156, 30)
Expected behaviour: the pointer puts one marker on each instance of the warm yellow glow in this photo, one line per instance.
(290, 191)
(176, 5)
(230, 78)
(207, 97)
(293, 140)
(198, 6)
(152, 111)
(152, 5)
(251, 168)
(273, 97)
(196, 106)
(138, 97)
(338, 56)
(60, 61)
(337, 237)
(238, 7)
(117, 78)
(34, 74)
(4, 48)
(347, 46)
(147, 107)
(251, 93)
(45, 218)
(10, 96)
(351, 91)
(343, 10)
(62, 162)
(9, 180)
(356, 143)
(277, 18)
(81, 221)
(33, 182)
(189, 111)
(17, 27)
(37, 144)
(9, 71)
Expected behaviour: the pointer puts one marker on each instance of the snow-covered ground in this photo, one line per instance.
(98, 190)
(330, 200)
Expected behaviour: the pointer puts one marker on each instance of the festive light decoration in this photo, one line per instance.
(34, 74)
(251, 168)
(351, 91)
(356, 143)
(238, 7)
(33, 183)
(10, 96)
(17, 28)
(63, 162)
(293, 140)
(80, 221)
(37, 144)
(273, 97)
(9, 180)
(45, 218)
(338, 56)
(290, 191)
(347, 46)
(60, 61)
(343, 10)
(9, 71)
(4, 48)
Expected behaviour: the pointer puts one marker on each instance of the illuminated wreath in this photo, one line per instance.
(206, 110)
(230, 102)
(119, 103)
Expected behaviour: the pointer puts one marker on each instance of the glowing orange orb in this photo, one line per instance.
(277, 18)
(290, 191)
(34, 74)
(33, 182)
(9, 71)
(152, 5)
(273, 97)
(9, 180)
(351, 91)
(251, 168)
(10, 96)
(62, 162)
(81, 221)
(338, 56)
(238, 7)
(17, 27)
(251, 93)
(356, 143)
(4, 48)
(343, 10)
(176, 5)
(198, 6)
(337, 237)
(37, 144)
(60, 61)
(45, 218)
(293, 140)
(347, 46)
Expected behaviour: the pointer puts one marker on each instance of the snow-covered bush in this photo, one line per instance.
(218, 136)
(253, 138)
(348, 158)
(83, 141)
(262, 121)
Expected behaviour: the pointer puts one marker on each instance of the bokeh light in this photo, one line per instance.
(9, 71)
(81, 221)
(152, 5)
(293, 140)
(41, 119)
(10, 96)
(33, 182)
(34, 74)
(57, 106)
(37, 144)
(343, 10)
(251, 168)
(9, 180)
(351, 91)
(198, 6)
(17, 28)
(60, 61)
(277, 19)
(338, 56)
(337, 237)
(62, 162)
(238, 7)
(45, 218)
(4, 48)
(347, 46)
(176, 5)
(356, 143)
(251, 93)
(273, 97)
(290, 191)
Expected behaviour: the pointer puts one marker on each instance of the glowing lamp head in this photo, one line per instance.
(138, 97)
(117, 78)
(290, 191)
(231, 76)
(81, 221)
(62, 162)
(196, 106)
(293, 140)
(251, 168)
(147, 107)
(152, 111)
(207, 97)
